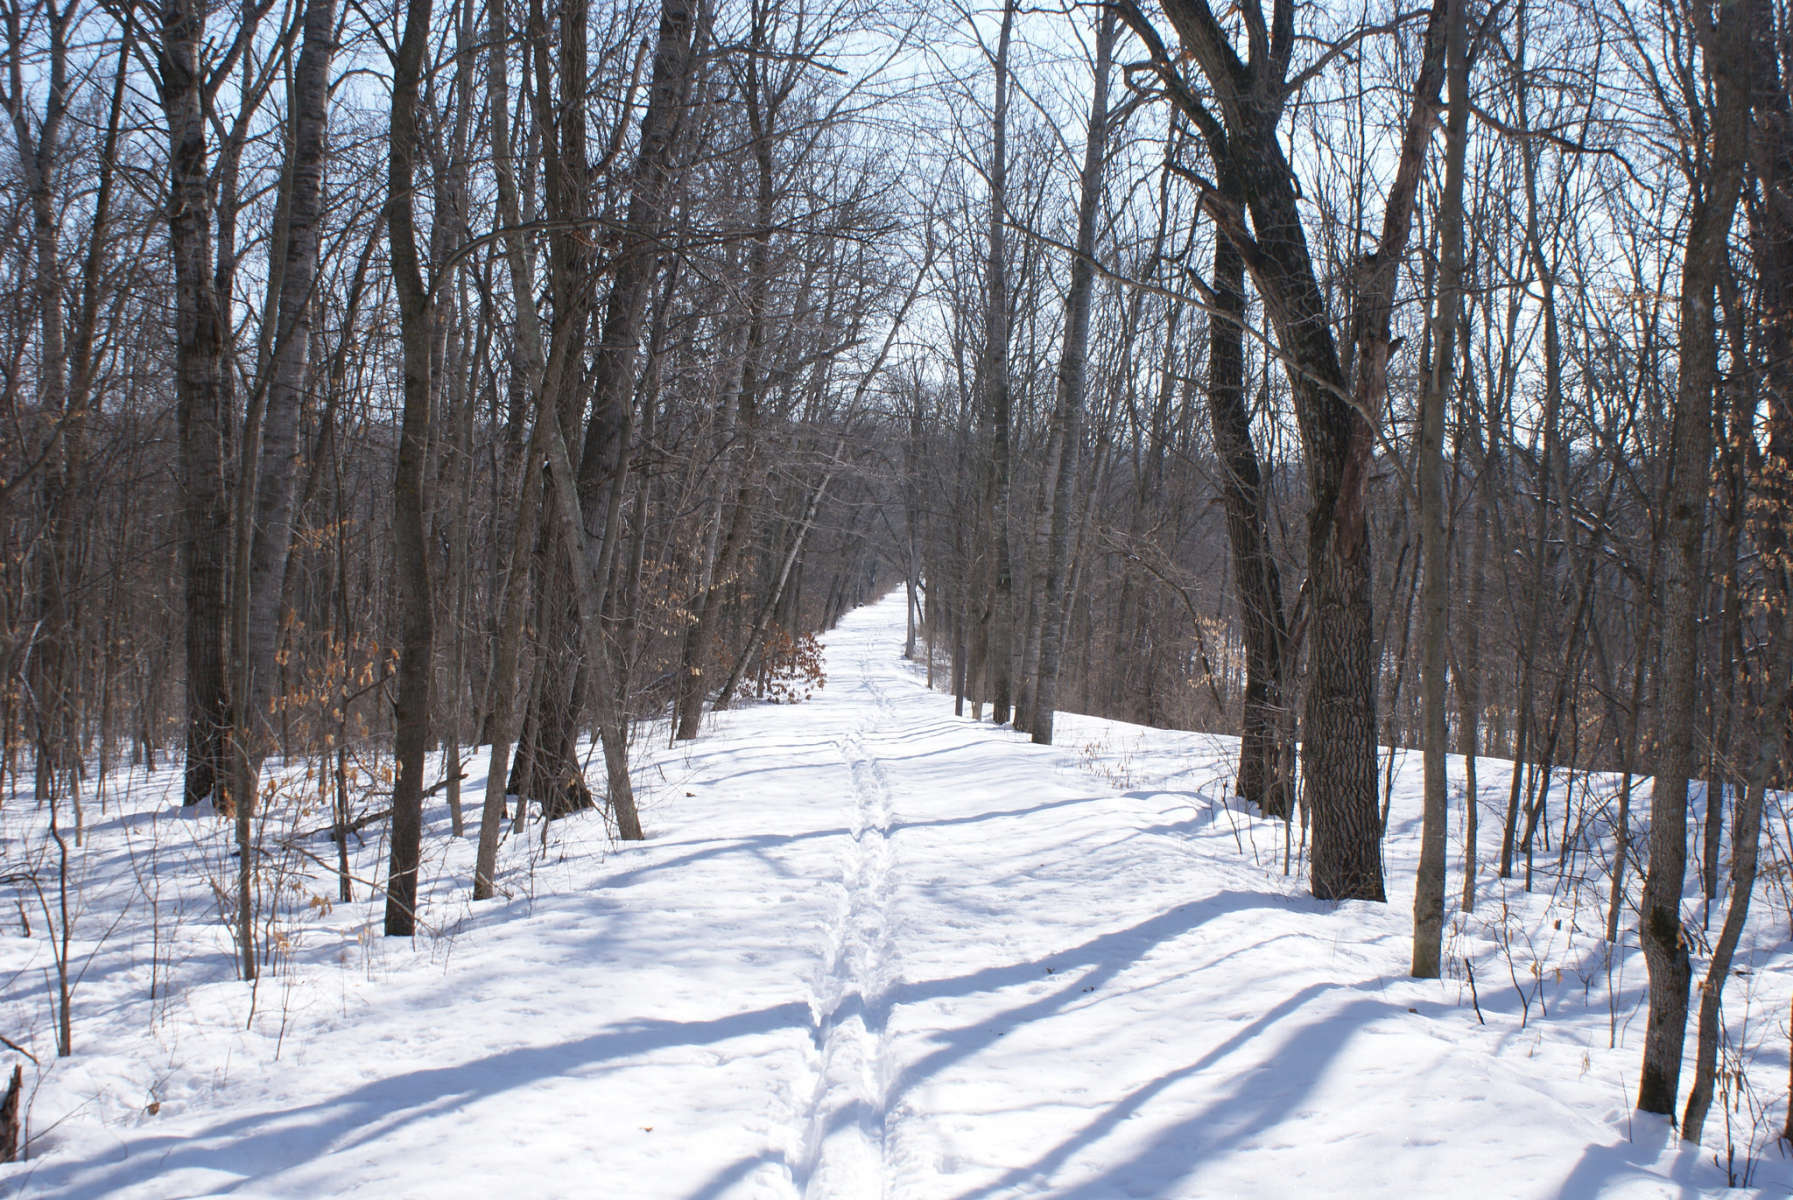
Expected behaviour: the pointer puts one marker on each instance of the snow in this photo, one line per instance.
(870, 949)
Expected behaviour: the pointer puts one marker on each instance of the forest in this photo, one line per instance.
(398, 397)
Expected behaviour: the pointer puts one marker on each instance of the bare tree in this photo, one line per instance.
(1428, 893)
(200, 334)
(1715, 172)
(1770, 151)
(410, 526)
(1338, 413)
(1061, 464)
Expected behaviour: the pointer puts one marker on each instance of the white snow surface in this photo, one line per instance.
(870, 949)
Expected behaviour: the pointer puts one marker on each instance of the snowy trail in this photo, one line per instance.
(874, 950)
(844, 1147)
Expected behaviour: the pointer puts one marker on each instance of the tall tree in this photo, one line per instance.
(1073, 368)
(527, 335)
(283, 376)
(410, 524)
(763, 95)
(996, 619)
(1238, 115)
(200, 389)
(1770, 514)
(604, 456)
(1714, 168)
(1428, 892)
(269, 460)
(1265, 731)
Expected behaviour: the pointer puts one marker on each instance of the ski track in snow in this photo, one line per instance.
(844, 1139)
(870, 951)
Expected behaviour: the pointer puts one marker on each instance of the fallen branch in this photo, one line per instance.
(362, 822)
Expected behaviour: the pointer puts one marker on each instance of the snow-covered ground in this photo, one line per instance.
(869, 949)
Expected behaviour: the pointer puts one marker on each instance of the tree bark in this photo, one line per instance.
(613, 370)
(1715, 193)
(502, 722)
(200, 393)
(1337, 415)
(1770, 514)
(993, 373)
(411, 714)
(278, 458)
(1258, 583)
(1072, 370)
(1428, 892)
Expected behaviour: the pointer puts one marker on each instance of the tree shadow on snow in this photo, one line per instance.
(258, 1145)
(1256, 1103)
(758, 845)
(1603, 1166)
(1107, 955)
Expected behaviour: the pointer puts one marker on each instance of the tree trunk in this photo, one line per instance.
(1428, 893)
(502, 708)
(1469, 696)
(1072, 370)
(1709, 224)
(504, 673)
(1336, 415)
(613, 369)
(993, 372)
(1770, 518)
(1257, 581)
(200, 394)
(411, 714)
(1746, 829)
(278, 459)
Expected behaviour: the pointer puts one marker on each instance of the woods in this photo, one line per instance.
(391, 393)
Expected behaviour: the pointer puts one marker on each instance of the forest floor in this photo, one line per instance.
(870, 949)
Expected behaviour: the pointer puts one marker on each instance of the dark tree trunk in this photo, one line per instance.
(613, 370)
(1428, 892)
(1709, 224)
(1770, 518)
(557, 779)
(1261, 780)
(1336, 414)
(411, 715)
(993, 372)
(11, 1127)
(200, 393)
(1072, 370)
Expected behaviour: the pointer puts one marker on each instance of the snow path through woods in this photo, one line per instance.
(872, 950)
